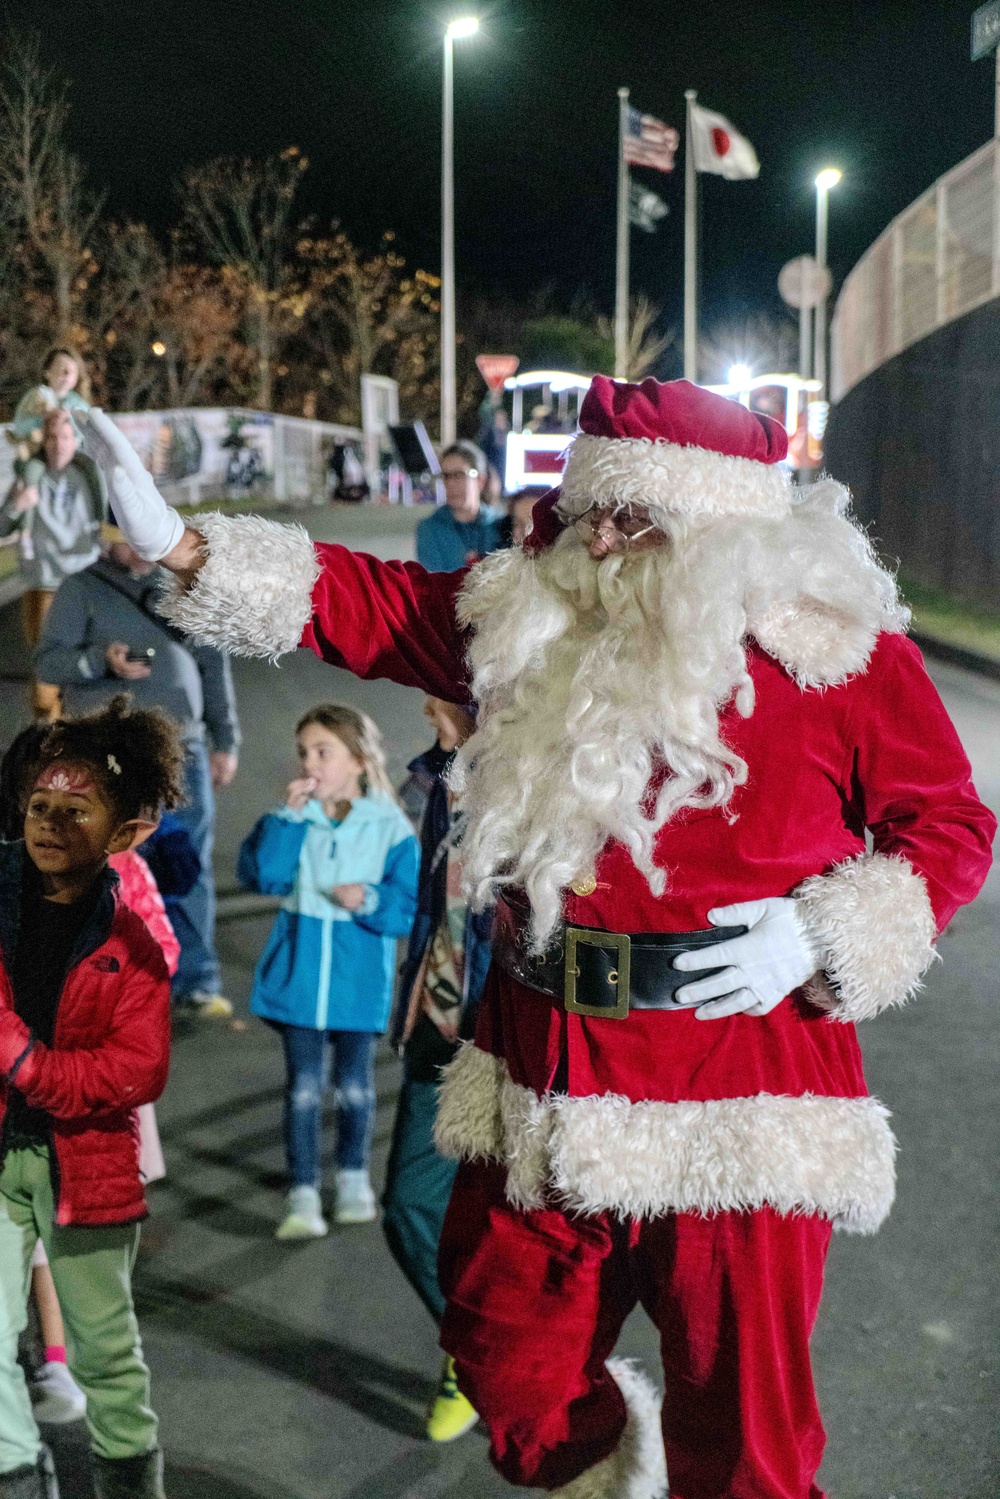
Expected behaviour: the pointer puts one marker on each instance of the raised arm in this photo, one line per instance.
(254, 587)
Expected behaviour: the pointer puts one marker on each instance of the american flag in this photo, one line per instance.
(648, 142)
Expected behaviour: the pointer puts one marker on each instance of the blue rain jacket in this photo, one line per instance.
(324, 967)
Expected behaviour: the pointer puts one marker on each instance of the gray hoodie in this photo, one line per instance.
(103, 603)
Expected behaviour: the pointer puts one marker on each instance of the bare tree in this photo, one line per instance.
(240, 213)
(197, 312)
(366, 315)
(130, 267)
(47, 203)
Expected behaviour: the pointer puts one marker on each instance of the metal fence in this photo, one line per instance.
(938, 259)
(198, 453)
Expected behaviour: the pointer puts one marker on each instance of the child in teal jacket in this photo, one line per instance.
(345, 858)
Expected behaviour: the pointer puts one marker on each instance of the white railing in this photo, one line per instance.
(938, 259)
(190, 456)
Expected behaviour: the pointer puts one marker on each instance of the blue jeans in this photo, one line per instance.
(307, 1064)
(192, 916)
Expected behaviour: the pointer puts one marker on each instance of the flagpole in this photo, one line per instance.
(690, 247)
(622, 250)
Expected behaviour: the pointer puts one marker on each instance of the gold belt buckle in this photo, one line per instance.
(618, 978)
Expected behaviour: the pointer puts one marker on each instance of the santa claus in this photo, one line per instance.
(726, 816)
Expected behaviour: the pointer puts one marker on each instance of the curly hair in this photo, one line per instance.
(135, 753)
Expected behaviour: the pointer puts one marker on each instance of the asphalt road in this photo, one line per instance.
(301, 1372)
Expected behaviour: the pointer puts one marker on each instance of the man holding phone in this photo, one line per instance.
(102, 634)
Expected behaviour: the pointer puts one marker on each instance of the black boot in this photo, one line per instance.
(38, 1482)
(129, 1477)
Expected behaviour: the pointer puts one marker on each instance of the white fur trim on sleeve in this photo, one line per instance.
(637, 1468)
(605, 1153)
(253, 593)
(663, 475)
(871, 919)
(468, 1125)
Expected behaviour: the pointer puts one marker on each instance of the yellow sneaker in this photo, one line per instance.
(209, 1006)
(450, 1415)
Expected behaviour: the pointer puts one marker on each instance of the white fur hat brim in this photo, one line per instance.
(663, 476)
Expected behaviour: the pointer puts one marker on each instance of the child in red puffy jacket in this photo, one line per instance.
(84, 1041)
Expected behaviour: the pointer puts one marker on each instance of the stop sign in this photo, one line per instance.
(495, 368)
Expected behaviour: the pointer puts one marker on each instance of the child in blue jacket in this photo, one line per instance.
(345, 858)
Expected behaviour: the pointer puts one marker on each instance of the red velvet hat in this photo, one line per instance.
(674, 448)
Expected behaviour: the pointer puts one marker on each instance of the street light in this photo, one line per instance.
(829, 177)
(464, 26)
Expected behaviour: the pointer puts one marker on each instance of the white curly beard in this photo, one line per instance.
(591, 677)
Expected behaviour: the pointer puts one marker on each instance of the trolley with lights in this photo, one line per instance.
(536, 449)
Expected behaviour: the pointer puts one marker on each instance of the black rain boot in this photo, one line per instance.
(129, 1477)
(38, 1482)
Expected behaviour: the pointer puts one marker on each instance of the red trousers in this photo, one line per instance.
(536, 1301)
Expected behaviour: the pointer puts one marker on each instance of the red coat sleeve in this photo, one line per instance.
(389, 619)
(911, 781)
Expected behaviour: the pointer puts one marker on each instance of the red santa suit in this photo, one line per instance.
(697, 1167)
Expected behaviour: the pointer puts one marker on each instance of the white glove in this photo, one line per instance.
(148, 523)
(757, 970)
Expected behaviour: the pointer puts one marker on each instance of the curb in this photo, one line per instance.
(956, 655)
(243, 905)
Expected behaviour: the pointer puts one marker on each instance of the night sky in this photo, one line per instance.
(885, 91)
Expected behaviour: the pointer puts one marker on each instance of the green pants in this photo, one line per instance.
(417, 1190)
(92, 1270)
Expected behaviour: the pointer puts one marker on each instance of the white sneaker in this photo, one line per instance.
(56, 1398)
(355, 1198)
(304, 1218)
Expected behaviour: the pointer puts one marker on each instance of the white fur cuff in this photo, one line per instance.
(807, 1154)
(666, 476)
(253, 594)
(637, 1468)
(871, 918)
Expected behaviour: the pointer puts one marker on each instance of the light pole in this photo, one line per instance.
(465, 26)
(828, 178)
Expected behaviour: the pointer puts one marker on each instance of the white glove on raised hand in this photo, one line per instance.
(757, 970)
(150, 526)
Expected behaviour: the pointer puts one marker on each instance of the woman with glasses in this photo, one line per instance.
(464, 528)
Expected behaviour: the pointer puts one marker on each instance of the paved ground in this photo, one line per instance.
(301, 1372)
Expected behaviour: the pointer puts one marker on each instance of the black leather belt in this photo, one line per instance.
(600, 973)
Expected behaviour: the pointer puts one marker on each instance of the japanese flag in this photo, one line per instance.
(719, 148)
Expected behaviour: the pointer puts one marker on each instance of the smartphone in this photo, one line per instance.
(146, 656)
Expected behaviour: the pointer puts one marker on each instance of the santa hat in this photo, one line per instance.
(672, 448)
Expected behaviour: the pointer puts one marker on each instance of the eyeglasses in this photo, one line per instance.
(459, 473)
(624, 527)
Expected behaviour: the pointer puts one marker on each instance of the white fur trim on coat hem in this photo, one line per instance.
(604, 1153)
(637, 1469)
(871, 919)
(663, 475)
(253, 593)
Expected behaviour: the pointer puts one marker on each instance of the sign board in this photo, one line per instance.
(495, 368)
(985, 29)
(803, 282)
(535, 459)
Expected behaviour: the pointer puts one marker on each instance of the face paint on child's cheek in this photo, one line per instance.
(74, 781)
